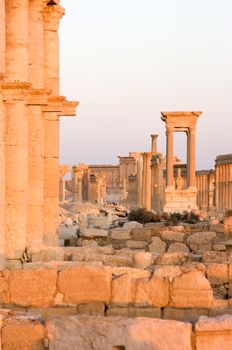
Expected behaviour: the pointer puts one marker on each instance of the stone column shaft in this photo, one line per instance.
(2, 37)
(17, 39)
(62, 189)
(169, 158)
(192, 158)
(139, 181)
(16, 177)
(2, 183)
(154, 139)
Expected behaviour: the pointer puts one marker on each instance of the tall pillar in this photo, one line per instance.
(139, 180)
(169, 157)
(52, 16)
(17, 41)
(154, 139)
(192, 157)
(62, 189)
(217, 187)
(147, 180)
(230, 186)
(2, 37)
(2, 182)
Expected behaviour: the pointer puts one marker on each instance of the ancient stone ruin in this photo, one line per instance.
(138, 255)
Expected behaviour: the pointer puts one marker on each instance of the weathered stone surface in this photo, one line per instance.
(46, 254)
(93, 233)
(32, 287)
(97, 221)
(92, 309)
(173, 259)
(157, 246)
(227, 220)
(123, 285)
(169, 272)
(134, 312)
(217, 274)
(140, 234)
(115, 332)
(216, 332)
(214, 257)
(132, 225)
(67, 231)
(85, 284)
(120, 234)
(219, 247)
(142, 260)
(4, 288)
(184, 315)
(152, 292)
(136, 244)
(191, 290)
(177, 236)
(23, 334)
(201, 241)
(178, 247)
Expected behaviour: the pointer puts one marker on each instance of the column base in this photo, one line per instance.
(180, 200)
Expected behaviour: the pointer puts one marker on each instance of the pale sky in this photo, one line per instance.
(128, 60)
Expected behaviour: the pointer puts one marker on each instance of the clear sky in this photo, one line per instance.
(127, 60)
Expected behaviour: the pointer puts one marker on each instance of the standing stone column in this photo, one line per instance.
(62, 189)
(154, 139)
(2, 182)
(169, 157)
(52, 16)
(2, 37)
(192, 157)
(147, 180)
(17, 41)
(139, 180)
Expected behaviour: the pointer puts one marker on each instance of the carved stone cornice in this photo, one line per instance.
(52, 17)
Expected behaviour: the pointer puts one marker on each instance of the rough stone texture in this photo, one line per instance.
(92, 309)
(32, 287)
(142, 260)
(217, 274)
(140, 234)
(22, 334)
(44, 253)
(169, 272)
(191, 289)
(120, 234)
(214, 257)
(189, 315)
(85, 284)
(152, 292)
(116, 332)
(134, 312)
(173, 236)
(92, 233)
(201, 241)
(157, 246)
(216, 332)
(136, 244)
(132, 225)
(4, 289)
(178, 247)
(173, 259)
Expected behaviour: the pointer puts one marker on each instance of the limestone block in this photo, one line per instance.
(219, 247)
(32, 287)
(217, 274)
(140, 234)
(201, 241)
(4, 288)
(123, 285)
(136, 244)
(176, 236)
(117, 260)
(178, 247)
(132, 225)
(97, 221)
(93, 233)
(92, 309)
(78, 332)
(45, 253)
(216, 332)
(120, 234)
(173, 259)
(191, 289)
(152, 292)
(134, 312)
(214, 257)
(67, 231)
(219, 228)
(184, 315)
(228, 220)
(169, 272)
(22, 333)
(85, 284)
(142, 260)
(157, 246)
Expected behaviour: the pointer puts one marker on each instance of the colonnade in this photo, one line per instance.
(205, 187)
(223, 182)
(30, 107)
